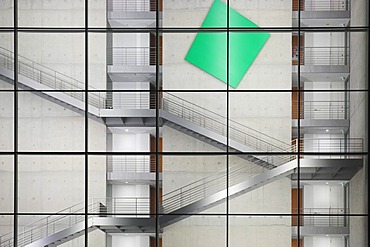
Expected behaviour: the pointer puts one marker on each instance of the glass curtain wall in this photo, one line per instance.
(184, 123)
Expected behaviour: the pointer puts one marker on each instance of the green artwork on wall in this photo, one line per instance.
(208, 51)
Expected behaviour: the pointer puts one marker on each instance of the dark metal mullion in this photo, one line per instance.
(15, 108)
(368, 133)
(86, 173)
(299, 126)
(227, 117)
(157, 121)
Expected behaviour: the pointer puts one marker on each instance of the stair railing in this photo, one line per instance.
(209, 185)
(217, 123)
(76, 214)
(52, 78)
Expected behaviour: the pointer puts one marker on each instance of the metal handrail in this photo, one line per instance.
(330, 217)
(327, 5)
(217, 123)
(131, 100)
(119, 206)
(321, 109)
(324, 55)
(133, 56)
(51, 78)
(332, 145)
(207, 186)
(140, 163)
(131, 5)
(240, 172)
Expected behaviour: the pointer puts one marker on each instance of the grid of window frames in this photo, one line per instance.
(184, 123)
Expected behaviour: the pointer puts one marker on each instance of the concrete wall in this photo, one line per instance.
(130, 241)
(321, 196)
(319, 241)
(359, 124)
(268, 113)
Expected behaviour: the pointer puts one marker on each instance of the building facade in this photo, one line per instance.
(184, 123)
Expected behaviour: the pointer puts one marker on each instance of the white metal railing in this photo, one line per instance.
(325, 217)
(114, 207)
(323, 5)
(325, 55)
(131, 100)
(137, 163)
(131, 5)
(207, 186)
(217, 123)
(133, 56)
(51, 78)
(321, 109)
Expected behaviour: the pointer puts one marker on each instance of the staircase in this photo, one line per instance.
(257, 170)
(69, 223)
(34, 76)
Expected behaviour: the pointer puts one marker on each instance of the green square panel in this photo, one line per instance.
(208, 51)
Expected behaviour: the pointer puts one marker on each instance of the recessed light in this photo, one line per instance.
(327, 130)
(126, 130)
(126, 182)
(327, 235)
(327, 183)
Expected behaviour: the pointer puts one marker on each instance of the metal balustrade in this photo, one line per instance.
(332, 148)
(51, 78)
(325, 55)
(114, 207)
(217, 123)
(137, 163)
(207, 186)
(321, 109)
(131, 5)
(324, 5)
(131, 100)
(324, 217)
(133, 56)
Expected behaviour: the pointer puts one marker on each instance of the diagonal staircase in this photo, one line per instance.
(35, 76)
(69, 223)
(198, 122)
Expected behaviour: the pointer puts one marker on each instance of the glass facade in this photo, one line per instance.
(184, 123)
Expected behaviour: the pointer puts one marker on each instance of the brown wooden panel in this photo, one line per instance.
(295, 5)
(153, 242)
(295, 103)
(153, 45)
(295, 53)
(153, 5)
(152, 157)
(295, 243)
(153, 199)
(295, 210)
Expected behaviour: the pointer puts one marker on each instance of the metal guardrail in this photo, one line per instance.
(131, 5)
(324, 217)
(327, 5)
(332, 145)
(321, 109)
(117, 206)
(217, 123)
(140, 163)
(207, 186)
(51, 78)
(131, 100)
(133, 56)
(324, 55)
